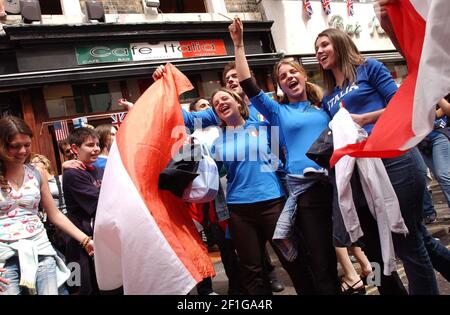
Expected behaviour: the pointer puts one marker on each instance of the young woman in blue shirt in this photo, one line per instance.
(365, 87)
(255, 195)
(300, 120)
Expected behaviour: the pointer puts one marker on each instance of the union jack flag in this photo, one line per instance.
(61, 130)
(350, 11)
(326, 6)
(118, 118)
(308, 7)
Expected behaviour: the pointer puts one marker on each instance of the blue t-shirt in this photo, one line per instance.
(300, 124)
(371, 91)
(100, 162)
(250, 165)
(245, 181)
(439, 123)
(209, 118)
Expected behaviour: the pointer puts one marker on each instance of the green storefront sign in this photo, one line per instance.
(100, 54)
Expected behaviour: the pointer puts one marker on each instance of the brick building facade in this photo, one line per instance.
(120, 6)
(242, 5)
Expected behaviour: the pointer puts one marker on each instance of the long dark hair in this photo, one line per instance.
(348, 57)
(10, 126)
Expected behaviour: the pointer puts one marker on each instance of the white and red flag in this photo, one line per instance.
(422, 28)
(144, 237)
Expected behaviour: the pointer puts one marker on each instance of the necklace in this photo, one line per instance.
(15, 182)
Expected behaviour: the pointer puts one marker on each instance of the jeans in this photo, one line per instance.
(439, 163)
(428, 207)
(439, 254)
(45, 278)
(407, 175)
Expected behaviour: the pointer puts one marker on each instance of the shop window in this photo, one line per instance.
(188, 96)
(67, 100)
(60, 100)
(10, 104)
(398, 70)
(182, 6)
(51, 7)
(133, 92)
(209, 82)
(48, 7)
(94, 97)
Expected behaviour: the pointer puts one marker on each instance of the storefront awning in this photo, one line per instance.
(125, 70)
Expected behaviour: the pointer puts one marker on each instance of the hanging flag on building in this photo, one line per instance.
(326, 6)
(61, 130)
(79, 122)
(350, 11)
(117, 118)
(422, 29)
(145, 239)
(308, 8)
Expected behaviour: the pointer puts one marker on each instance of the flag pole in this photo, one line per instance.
(69, 119)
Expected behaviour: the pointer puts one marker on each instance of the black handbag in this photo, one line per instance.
(181, 170)
(322, 149)
(426, 146)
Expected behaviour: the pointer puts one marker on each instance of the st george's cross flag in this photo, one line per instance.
(422, 28)
(144, 237)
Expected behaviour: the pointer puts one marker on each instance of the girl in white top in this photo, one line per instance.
(25, 252)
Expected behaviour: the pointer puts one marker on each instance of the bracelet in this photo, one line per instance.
(85, 241)
(238, 46)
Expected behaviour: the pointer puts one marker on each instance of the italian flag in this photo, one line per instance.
(145, 239)
(422, 28)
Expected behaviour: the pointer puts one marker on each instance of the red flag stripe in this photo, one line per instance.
(390, 134)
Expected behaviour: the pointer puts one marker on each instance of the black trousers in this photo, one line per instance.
(317, 257)
(216, 235)
(251, 227)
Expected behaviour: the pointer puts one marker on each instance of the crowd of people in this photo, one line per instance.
(280, 198)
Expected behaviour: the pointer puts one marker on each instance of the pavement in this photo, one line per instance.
(440, 229)
(442, 225)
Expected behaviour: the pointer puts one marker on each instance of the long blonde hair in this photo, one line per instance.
(42, 159)
(313, 92)
(347, 55)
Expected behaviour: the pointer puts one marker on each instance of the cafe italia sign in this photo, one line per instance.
(146, 51)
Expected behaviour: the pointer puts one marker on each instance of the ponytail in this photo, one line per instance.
(314, 93)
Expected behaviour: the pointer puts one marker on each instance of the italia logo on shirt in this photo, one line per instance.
(261, 117)
(337, 98)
